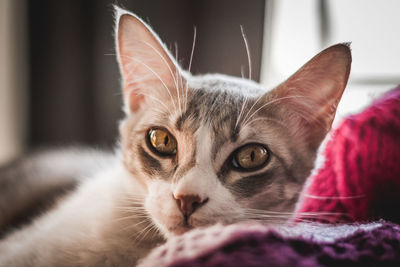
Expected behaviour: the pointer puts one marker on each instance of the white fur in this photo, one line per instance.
(80, 221)
(199, 180)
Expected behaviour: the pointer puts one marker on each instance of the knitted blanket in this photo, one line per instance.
(358, 183)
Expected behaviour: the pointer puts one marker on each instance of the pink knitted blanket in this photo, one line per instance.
(361, 175)
(358, 183)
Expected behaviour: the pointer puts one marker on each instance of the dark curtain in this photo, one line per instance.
(74, 81)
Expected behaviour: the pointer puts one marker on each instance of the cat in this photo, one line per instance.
(194, 151)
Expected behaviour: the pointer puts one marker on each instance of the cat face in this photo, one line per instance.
(214, 148)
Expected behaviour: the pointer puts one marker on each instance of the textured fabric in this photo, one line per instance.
(376, 244)
(359, 181)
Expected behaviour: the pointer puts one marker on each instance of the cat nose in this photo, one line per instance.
(188, 204)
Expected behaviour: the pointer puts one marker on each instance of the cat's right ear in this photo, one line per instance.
(148, 70)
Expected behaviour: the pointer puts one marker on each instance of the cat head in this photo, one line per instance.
(215, 148)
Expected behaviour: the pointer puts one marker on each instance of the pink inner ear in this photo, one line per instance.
(145, 63)
(313, 92)
(322, 81)
(136, 99)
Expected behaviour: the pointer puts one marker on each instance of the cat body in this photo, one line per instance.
(33, 183)
(194, 151)
(63, 236)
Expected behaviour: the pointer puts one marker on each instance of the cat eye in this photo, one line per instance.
(250, 157)
(162, 142)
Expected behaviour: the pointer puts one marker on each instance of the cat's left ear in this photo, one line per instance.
(309, 98)
(148, 70)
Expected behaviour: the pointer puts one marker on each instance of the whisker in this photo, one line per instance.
(155, 232)
(252, 106)
(247, 49)
(193, 46)
(190, 61)
(186, 94)
(334, 197)
(140, 233)
(178, 76)
(271, 102)
(159, 101)
(133, 200)
(165, 61)
(242, 73)
(131, 209)
(309, 117)
(241, 111)
(264, 119)
(155, 74)
(146, 220)
(287, 212)
(136, 195)
(151, 229)
(131, 217)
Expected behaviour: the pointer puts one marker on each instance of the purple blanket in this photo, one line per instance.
(372, 244)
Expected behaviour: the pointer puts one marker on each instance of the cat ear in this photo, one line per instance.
(312, 94)
(148, 70)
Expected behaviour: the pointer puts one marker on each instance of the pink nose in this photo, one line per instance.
(188, 204)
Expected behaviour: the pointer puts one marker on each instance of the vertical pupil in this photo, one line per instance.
(166, 140)
(252, 155)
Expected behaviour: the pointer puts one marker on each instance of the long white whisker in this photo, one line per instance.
(132, 205)
(179, 77)
(138, 202)
(140, 233)
(271, 102)
(155, 74)
(152, 228)
(241, 111)
(242, 72)
(135, 196)
(252, 106)
(264, 119)
(308, 116)
(162, 58)
(131, 217)
(155, 232)
(146, 220)
(186, 94)
(190, 61)
(131, 208)
(247, 49)
(166, 63)
(333, 197)
(193, 46)
(159, 101)
(261, 211)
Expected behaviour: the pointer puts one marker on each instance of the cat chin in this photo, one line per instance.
(183, 227)
(174, 228)
(179, 229)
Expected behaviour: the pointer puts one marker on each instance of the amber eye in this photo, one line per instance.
(162, 141)
(250, 156)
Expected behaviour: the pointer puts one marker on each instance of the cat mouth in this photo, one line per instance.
(182, 227)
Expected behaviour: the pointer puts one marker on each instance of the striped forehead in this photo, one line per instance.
(215, 109)
(215, 104)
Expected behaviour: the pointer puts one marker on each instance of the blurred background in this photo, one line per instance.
(59, 81)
